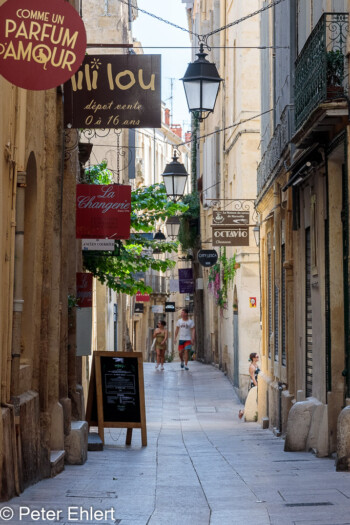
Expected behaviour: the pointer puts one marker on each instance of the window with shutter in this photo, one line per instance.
(308, 313)
(283, 307)
(269, 291)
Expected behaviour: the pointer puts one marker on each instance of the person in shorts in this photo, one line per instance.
(186, 331)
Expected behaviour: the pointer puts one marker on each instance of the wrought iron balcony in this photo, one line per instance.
(157, 282)
(274, 152)
(321, 72)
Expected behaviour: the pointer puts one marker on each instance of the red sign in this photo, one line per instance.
(42, 43)
(142, 298)
(103, 211)
(84, 290)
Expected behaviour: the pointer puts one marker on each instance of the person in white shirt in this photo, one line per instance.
(186, 330)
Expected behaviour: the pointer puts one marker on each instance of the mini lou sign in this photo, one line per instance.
(114, 91)
(103, 211)
(42, 43)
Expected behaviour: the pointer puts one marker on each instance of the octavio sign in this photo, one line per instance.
(103, 211)
(231, 236)
(42, 43)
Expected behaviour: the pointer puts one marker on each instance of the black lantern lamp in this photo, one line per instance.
(172, 227)
(201, 84)
(175, 177)
(159, 236)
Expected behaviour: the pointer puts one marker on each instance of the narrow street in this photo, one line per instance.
(202, 466)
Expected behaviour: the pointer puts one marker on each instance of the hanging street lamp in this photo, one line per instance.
(175, 177)
(159, 236)
(172, 227)
(201, 85)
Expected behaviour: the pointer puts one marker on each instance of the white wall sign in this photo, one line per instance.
(98, 244)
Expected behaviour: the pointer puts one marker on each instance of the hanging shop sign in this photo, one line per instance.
(138, 275)
(106, 245)
(42, 44)
(207, 258)
(186, 284)
(234, 217)
(142, 298)
(103, 211)
(230, 236)
(84, 290)
(114, 91)
(174, 285)
(170, 307)
(138, 308)
(157, 308)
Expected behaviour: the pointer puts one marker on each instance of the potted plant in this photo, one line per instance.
(335, 73)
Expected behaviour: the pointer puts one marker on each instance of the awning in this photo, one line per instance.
(302, 168)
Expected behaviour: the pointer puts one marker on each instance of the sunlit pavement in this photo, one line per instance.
(202, 465)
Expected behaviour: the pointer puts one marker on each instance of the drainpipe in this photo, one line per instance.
(18, 288)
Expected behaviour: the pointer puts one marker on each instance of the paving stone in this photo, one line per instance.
(202, 466)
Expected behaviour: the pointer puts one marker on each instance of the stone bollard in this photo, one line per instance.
(343, 440)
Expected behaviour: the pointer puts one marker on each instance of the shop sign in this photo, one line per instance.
(207, 258)
(107, 245)
(84, 290)
(169, 307)
(174, 285)
(231, 236)
(42, 44)
(157, 309)
(142, 298)
(138, 275)
(186, 284)
(225, 218)
(103, 211)
(138, 308)
(114, 91)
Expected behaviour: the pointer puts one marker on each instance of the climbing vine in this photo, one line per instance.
(221, 276)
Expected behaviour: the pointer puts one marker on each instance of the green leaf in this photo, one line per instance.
(148, 206)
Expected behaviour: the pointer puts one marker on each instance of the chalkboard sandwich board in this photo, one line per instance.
(116, 396)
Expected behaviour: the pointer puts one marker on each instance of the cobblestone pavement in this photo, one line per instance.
(202, 466)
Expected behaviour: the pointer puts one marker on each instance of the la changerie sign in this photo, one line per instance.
(114, 91)
(103, 211)
(42, 43)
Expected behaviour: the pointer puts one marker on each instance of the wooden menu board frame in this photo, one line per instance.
(116, 390)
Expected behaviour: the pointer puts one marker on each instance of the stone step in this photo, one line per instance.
(94, 442)
(57, 461)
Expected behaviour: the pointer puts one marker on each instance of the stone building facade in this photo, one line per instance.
(226, 171)
(42, 404)
(304, 226)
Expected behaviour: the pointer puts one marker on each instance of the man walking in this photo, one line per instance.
(186, 338)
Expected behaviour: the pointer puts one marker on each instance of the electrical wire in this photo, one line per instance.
(225, 128)
(211, 47)
(203, 37)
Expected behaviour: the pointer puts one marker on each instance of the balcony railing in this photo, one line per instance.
(321, 72)
(281, 137)
(157, 282)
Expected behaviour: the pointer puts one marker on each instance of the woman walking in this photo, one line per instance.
(160, 334)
